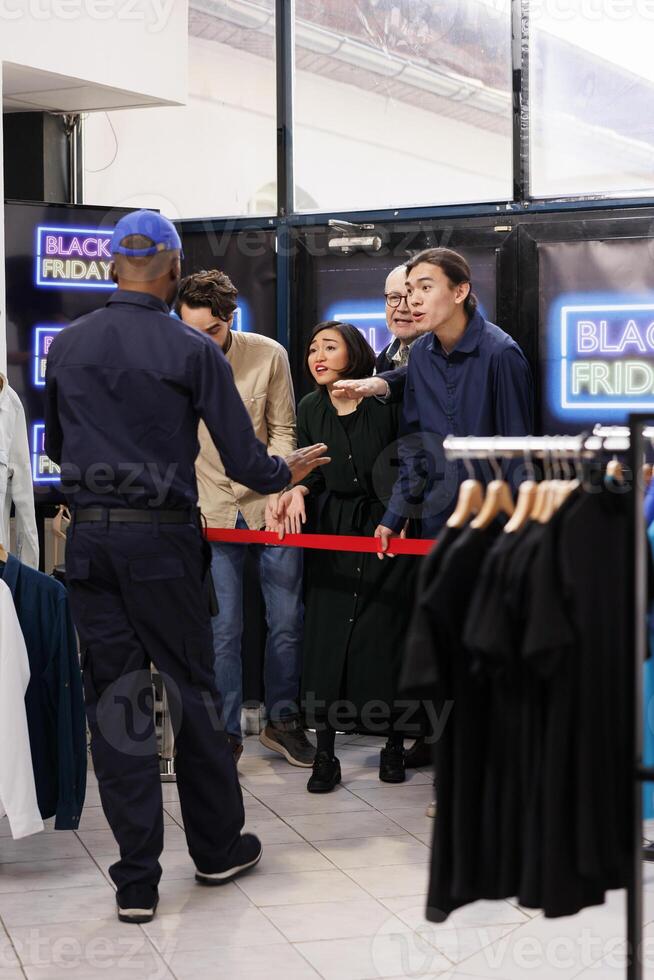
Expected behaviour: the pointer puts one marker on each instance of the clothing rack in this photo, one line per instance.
(632, 440)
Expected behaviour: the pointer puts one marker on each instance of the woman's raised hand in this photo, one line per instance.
(291, 512)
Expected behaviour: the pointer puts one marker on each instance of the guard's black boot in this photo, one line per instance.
(391, 763)
(326, 773)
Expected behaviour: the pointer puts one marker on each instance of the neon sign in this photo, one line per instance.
(605, 354)
(370, 322)
(43, 337)
(43, 469)
(73, 258)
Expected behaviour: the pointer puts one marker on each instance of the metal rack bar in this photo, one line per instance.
(609, 439)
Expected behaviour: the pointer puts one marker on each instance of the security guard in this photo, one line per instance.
(126, 387)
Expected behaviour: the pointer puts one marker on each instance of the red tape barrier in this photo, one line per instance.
(322, 542)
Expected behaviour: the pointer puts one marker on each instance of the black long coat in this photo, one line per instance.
(357, 607)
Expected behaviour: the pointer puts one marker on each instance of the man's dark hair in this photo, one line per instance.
(454, 267)
(361, 356)
(211, 288)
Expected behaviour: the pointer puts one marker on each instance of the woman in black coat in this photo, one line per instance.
(357, 606)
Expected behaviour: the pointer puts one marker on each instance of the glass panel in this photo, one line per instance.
(402, 102)
(591, 94)
(217, 154)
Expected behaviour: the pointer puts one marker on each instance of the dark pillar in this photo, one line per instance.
(36, 157)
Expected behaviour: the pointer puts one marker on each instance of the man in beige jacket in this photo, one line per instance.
(207, 301)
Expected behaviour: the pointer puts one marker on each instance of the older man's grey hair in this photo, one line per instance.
(398, 268)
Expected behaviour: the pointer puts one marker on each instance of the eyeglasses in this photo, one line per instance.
(395, 299)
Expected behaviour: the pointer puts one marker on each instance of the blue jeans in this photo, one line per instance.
(280, 572)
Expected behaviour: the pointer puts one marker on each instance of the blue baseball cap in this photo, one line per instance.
(158, 229)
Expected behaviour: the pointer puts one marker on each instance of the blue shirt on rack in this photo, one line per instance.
(483, 387)
(53, 701)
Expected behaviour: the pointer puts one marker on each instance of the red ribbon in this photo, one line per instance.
(322, 542)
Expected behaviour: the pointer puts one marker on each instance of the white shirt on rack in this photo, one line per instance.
(16, 478)
(17, 789)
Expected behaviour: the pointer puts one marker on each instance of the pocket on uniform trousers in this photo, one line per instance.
(198, 651)
(78, 568)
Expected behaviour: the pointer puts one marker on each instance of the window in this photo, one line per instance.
(403, 102)
(217, 154)
(591, 98)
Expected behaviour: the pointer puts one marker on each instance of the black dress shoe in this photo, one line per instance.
(137, 904)
(418, 756)
(391, 764)
(247, 854)
(326, 773)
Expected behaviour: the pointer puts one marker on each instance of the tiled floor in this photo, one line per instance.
(339, 894)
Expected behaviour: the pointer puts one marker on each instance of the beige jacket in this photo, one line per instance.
(263, 378)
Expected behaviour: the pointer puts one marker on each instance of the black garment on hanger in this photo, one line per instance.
(534, 768)
(466, 726)
(587, 627)
(418, 675)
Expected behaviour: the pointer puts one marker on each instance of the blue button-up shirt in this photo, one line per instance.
(53, 701)
(481, 388)
(126, 387)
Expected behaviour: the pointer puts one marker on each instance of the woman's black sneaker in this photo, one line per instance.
(392, 768)
(419, 755)
(326, 773)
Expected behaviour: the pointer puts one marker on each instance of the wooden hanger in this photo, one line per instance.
(647, 474)
(498, 500)
(470, 501)
(541, 500)
(3, 554)
(527, 493)
(60, 523)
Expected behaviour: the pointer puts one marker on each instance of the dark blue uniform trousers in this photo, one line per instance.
(137, 597)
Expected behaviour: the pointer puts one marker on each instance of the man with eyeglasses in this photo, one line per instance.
(399, 322)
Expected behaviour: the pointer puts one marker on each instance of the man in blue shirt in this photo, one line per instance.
(465, 377)
(126, 388)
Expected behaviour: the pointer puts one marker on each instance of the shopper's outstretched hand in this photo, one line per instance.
(386, 535)
(361, 388)
(272, 510)
(304, 461)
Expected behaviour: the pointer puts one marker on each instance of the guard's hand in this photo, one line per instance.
(304, 461)
(361, 388)
(386, 536)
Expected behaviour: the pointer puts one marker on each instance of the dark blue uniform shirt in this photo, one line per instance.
(126, 388)
(481, 388)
